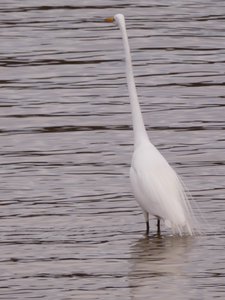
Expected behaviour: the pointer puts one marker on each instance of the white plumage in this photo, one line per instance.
(157, 188)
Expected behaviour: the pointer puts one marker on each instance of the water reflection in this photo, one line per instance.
(159, 259)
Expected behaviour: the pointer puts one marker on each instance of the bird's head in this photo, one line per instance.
(115, 19)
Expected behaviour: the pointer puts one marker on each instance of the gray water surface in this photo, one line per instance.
(70, 227)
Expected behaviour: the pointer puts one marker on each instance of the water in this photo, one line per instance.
(70, 228)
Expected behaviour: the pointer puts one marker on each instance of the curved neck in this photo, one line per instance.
(140, 133)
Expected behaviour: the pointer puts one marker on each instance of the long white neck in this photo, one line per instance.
(140, 133)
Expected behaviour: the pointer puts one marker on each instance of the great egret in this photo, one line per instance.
(156, 186)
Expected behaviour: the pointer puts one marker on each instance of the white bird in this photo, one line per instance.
(156, 186)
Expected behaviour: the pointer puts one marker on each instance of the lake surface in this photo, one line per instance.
(69, 225)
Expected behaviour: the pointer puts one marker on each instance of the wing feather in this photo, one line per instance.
(158, 189)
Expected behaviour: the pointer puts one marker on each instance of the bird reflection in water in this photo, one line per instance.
(158, 267)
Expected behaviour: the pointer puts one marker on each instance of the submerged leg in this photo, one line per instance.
(146, 222)
(158, 226)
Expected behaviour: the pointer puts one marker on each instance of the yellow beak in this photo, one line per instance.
(109, 19)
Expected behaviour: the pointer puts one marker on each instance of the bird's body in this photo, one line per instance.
(158, 189)
(156, 186)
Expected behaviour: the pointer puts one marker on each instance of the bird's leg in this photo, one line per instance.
(147, 227)
(158, 226)
(147, 222)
